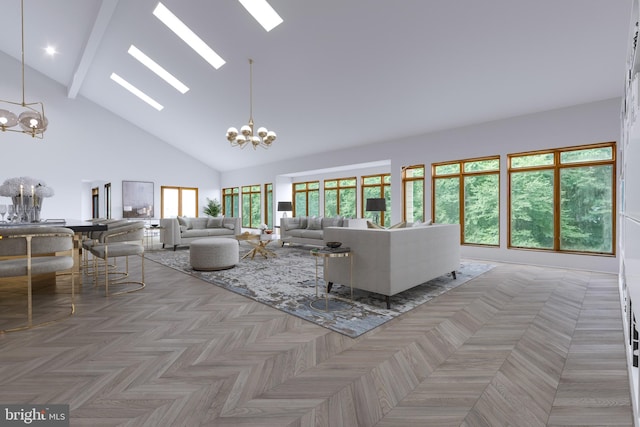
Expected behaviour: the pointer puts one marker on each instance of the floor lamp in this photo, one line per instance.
(284, 207)
(376, 205)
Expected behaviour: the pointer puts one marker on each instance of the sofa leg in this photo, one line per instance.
(163, 246)
(388, 302)
(453, 273)
(329, 286)
(174, 247)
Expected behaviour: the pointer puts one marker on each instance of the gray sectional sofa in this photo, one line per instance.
(184, 230)
(305, 230)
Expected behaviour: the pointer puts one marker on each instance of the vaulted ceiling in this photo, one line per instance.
(335, 73)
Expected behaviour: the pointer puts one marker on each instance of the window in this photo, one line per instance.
(563, 200)
(467, 192)
(306, 198)
(268, 205)
(340, 197)
(413, 193)
(231, 202)
(178, 201)
(377, 187)
(251, 206)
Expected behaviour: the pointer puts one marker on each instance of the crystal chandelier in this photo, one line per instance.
(31, 116)
(264, 137)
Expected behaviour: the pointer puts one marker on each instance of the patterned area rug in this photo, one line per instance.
(287, 282)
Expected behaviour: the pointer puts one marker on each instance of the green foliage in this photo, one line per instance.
(212, 208)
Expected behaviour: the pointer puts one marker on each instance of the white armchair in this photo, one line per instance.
(390, 261)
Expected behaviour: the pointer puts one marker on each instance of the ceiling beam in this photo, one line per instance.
(97, 32)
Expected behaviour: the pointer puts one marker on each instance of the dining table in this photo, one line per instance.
(80, 229)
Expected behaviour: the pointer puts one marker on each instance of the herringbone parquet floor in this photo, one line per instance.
(517, 346)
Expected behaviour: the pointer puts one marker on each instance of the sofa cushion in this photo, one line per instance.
(206, 232)
(295, 232)
(331, 222)
(311, 234)
(215, 222)
(304, 222)
(292, 224)
(228, 223)
(185, 221)
(199, 223)
(314, 223)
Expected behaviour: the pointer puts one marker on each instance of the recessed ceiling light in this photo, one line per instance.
(189, 37)
(156, 68)
(137, 92)
(263, 13)
(50, 50)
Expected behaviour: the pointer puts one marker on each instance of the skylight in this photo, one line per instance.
(188, 36)
(137, 92)
(263, 13)
(156, 68)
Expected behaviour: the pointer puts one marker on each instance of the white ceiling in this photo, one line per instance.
(335, 73)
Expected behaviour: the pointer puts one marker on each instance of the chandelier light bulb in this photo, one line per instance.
(246, 130)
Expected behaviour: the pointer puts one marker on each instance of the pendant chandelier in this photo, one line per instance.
(30, 117)
(263, 138)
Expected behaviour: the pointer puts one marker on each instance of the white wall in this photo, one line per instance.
(577, 125)
(86, 144)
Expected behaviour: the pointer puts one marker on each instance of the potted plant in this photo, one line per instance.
(212, 207)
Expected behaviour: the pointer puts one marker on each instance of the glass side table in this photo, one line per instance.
(326, 255)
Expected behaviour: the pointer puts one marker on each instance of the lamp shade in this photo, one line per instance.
(376, 205)
(285, 207)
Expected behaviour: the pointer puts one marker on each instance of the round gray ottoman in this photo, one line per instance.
(214, 253)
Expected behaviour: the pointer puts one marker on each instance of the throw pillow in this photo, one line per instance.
(228, 223)
(215, 222)
(199, 223)
(230, 226)
(186, 222)
(292, 224)
(374, 225)
(417, 224)
(304, 222)
(331, 222)
(398, 225)
(314, 223)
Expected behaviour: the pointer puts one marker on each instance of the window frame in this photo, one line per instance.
(268, 205)
(557, 166)
(250, 191)
(234, 194)
(338, 189)
(405, 181)
(461, 174)
(384, 185)
(306, 191)
(180, 190)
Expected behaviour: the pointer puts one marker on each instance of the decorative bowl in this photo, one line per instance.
(268, 231)
(334, 245)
